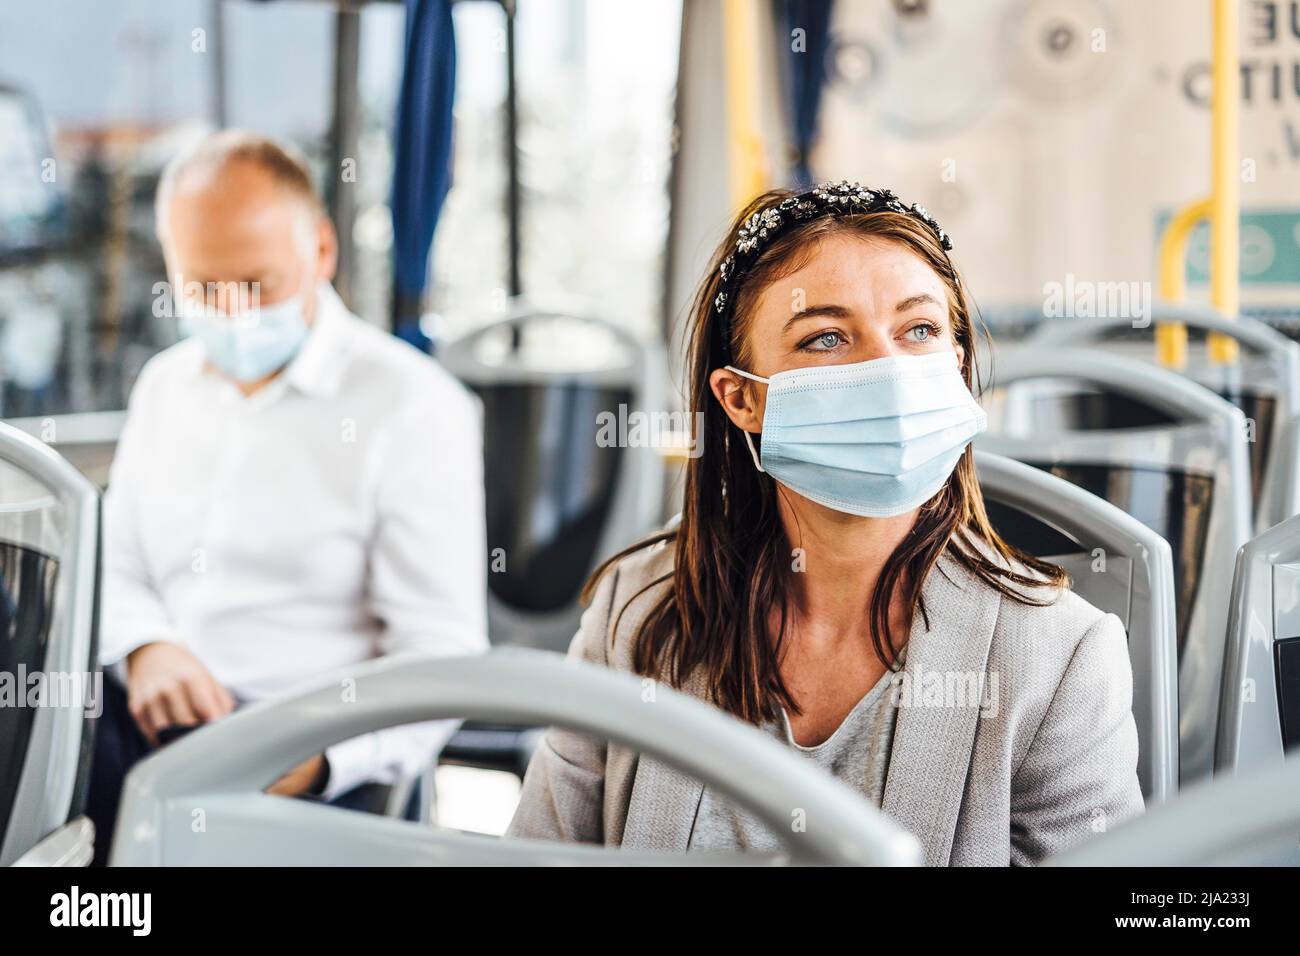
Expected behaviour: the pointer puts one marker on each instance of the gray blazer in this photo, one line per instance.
(1040, 759)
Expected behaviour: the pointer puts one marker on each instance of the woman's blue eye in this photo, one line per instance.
(825, 341)
(922, 333)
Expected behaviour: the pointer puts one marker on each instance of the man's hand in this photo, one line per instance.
(308, 777)
(166, 686)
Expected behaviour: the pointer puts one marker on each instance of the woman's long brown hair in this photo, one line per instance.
(733, 561)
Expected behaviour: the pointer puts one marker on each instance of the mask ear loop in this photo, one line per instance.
(749, 439)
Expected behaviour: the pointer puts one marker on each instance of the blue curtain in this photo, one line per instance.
(806, 76)
(422, 146)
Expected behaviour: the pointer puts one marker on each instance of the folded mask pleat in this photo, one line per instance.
(874, 430)
(879, 458)
(874, 492)
(871, 401)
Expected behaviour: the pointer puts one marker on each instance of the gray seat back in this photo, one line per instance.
(1264, 383)
(1180, 467)
(1259, 717)
(571, 470)
(1246, 819)
(49, 530)
(213, 775)
(1120, 566)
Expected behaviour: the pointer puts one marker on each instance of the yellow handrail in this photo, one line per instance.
(741, 40)
(1171, 337)
(1226, 176)
(1221, 209)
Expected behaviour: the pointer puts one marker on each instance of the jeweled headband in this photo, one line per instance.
(764, 226)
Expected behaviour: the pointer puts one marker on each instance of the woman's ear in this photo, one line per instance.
(743, 405)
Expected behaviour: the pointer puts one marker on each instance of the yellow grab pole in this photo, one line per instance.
(1221, 209)
(1226, 194)
(741, 41)
(1171, 337)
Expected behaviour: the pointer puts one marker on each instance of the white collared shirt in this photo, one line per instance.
(334, 516)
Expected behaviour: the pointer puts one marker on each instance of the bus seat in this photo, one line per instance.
(1264, 383)
(49, 579)
(213, 768)
(560, 497)
(1247, 819)
(1120, 566)
(1259, 719)
(1164, 449)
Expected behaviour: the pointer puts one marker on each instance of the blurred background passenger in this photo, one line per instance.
(294, 492)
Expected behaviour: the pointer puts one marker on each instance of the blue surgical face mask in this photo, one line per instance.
(250, 346)
(875, 438)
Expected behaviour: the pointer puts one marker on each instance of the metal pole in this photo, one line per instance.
(345, 137)
(512, 150)
(220, 110)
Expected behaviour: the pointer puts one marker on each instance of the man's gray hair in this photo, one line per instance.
(283, 162)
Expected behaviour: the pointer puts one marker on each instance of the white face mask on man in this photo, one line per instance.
(250, 346)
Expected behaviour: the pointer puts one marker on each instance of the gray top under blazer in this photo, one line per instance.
(1042, 758)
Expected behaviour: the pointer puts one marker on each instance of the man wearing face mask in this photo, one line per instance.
(295, 491)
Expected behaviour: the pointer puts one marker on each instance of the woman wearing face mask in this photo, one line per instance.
(834, 558)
